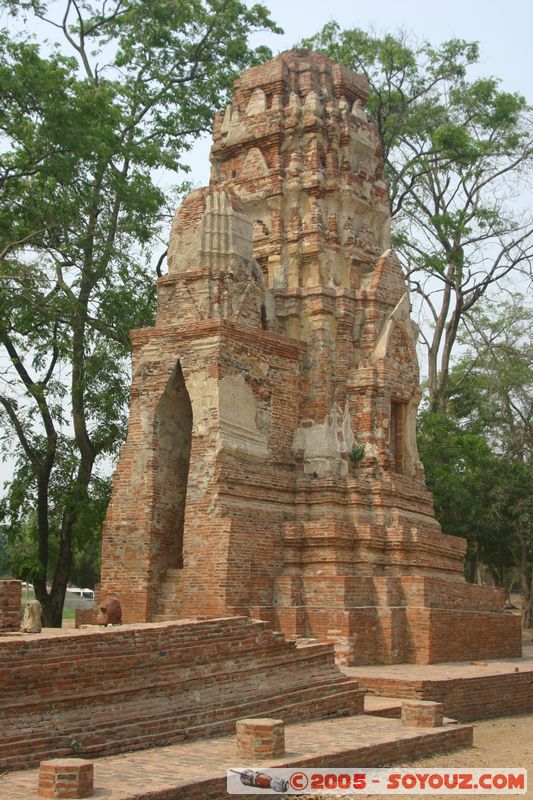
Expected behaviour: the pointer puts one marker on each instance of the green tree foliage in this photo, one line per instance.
(87, 125)
(479, 455)
(462, 472)
(4, 556)
(498, 371)
(456, 153)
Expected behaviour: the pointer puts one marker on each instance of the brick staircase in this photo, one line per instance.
(95, 692)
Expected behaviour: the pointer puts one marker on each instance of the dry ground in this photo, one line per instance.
(505, 742)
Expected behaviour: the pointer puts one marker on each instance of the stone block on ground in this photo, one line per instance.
(66, 777)
(422, 714)
(261, 738)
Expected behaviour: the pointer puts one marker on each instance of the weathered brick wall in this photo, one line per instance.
(217, 549)
(464, 698)
(373, 755)
(394, 620)
(99, 691)
(439, 634)
(10, 604)
(284, 320)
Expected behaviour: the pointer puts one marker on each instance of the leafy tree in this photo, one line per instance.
(460, 469)
(456, 152)
(497, 368)
(478, 456)
(496, 381)
(86, 129)
(4, 558)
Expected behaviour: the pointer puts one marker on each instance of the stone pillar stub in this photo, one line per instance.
(422, 714)
(261, 738)
(66, 777)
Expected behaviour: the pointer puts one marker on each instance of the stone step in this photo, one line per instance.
(198, 768)
(167, 607)
(99, 691)
(174, 572)
(390, 707)
(99, 732)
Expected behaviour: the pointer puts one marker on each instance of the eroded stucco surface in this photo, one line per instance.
(288, 317)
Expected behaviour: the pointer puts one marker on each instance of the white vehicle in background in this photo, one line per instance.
(87, 593)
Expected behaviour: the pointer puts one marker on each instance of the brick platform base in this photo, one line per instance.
(197, 770)
(467, 690)
(99, 691)
(395, 620)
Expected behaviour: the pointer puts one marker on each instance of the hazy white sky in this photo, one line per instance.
(504, 30)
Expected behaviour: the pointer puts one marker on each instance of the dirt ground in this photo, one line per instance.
(506, 742)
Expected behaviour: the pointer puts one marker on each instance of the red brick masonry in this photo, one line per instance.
(66, 778)
(99, 691)
(422, 714)
(271, 466)
(260, 738)
(10, 604)
(197, 770)
(477, 690)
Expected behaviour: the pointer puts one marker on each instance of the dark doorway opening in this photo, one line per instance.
(397, 425)
(173, 436)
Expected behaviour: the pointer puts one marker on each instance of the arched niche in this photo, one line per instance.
(172, 452)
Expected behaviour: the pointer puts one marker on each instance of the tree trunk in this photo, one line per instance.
(525, 585)
(43, 532)
(438, 398)
(472, 565)
(52, 602)
(527, 613)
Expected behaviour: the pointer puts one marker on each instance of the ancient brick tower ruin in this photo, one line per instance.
(271, 466)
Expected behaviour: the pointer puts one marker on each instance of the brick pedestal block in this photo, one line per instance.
(260, 738)
(10, 604)
(66, 777)
(422, 714)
